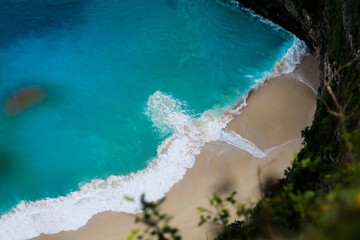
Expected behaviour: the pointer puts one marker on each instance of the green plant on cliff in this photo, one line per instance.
(219, 211)
(157, 224)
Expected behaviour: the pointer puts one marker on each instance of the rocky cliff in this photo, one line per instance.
(331, 28)
(319, 198)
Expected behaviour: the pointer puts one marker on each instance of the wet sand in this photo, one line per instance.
(273, 119)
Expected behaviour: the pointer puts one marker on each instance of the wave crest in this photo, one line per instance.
(167, 113)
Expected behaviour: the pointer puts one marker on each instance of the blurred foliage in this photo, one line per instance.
(219, 212)
(156, 223)
(327, 209)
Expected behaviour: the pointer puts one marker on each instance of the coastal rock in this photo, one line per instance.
(332, 30)
(314, 27)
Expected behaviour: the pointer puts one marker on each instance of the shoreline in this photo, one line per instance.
(275, 114)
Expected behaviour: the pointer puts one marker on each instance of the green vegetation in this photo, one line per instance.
(219, 212)
(156, 223)
(331, 213)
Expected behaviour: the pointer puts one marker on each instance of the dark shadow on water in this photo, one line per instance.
(6, 161)
(16, 178)
(173, 4)
(24, 17)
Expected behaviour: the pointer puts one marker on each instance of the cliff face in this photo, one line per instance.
(284, 13)
(309, 203)
(331, 28)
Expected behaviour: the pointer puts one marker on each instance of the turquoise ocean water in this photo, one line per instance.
(124, 83)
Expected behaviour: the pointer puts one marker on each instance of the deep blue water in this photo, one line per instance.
(98, 62)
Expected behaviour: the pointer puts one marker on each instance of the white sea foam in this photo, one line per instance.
(166, 113)
(267, 151)
(238, 141)
(291, 58)
(174, 156)
(301, 79)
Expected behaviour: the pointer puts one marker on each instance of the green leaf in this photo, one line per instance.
(130, 199)
(201, 209)
(167, 229)
(202, 221)
(217, 198)
(309, 195)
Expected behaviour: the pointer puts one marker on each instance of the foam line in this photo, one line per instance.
(267, 151)
(299, 78)
(238, 141)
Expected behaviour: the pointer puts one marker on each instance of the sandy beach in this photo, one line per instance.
(273, 119)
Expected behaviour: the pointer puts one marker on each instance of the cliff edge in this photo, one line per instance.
(319, 198)
(331, 28)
